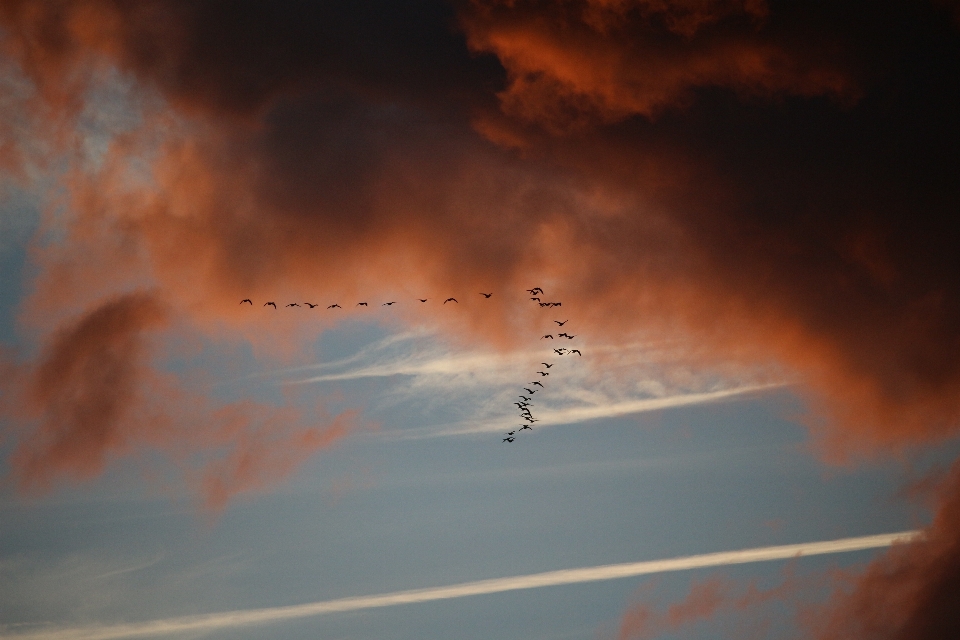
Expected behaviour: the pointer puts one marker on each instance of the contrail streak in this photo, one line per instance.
(214, 621)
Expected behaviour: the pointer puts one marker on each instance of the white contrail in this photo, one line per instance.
(214, 621)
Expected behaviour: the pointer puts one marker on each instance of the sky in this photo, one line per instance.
(741, 214)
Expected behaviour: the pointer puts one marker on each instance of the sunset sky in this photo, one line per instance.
(749, 211)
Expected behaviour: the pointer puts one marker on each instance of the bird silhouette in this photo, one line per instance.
(562, 335)
(561, 323)
(526, 426)
(531, 420)
(547, 336)
(560, 351)
(546, 365)
(362, 304)
(387, 304)
(334, 306)
(521, 404)
(543, 373)
(537, 299)
(311, 305)
(544, 304)
(508, 439)
(576, 351)
(510, 433)
(570, 337)
(451, 300)
(486, 295)
(293, 304)
(530, 391)
(555, 304)
(247, 300)
(422, 299)
(524, 398)
(538, 383)
(535, 290)
(272, 304)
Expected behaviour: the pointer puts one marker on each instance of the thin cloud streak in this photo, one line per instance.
(584, 414)
(214, 621)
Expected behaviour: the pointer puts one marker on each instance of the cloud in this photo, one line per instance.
(772, 185)
(235, 619)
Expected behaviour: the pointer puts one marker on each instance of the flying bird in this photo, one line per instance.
(547, 336)
(561, 323)
(311, 305)
(387, 304)
(576, 351)
(555, 304)
(524, 397)
(485, 295)
(546, 365)
(544, 304)
(293, 304)
(563, 335)
(530, 420)
(362, 304)
(526, 426)
(508, 439)
(422, 299)
(272, 304)
(334, 306)
(450, 300)
(535, 290)
(510, 433)
(543, 373)
(537, 299)
(530, 391)
(538, 383)
(247, 300)
(560, 351)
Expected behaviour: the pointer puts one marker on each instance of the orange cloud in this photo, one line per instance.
(574, 64)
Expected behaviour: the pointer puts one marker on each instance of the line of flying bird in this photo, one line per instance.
(524, 404)
(359, 304)
(525, 400)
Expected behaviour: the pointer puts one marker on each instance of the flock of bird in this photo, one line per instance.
(525, 402)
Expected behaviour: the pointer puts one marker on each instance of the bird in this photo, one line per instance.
(247, 300)
(486, 295)
(272, 304)
(546, 365)
(576, 351)
(387, 304)
(293, 304)
(535, 290)
(547, 336)
(537, 382)
(564, 335)
(334, 306)
(508, 439)
(560, 351)
(537, 299)
(561, 323)
(570, 337)
(524, 397)
(362, 304)
(510, 433)
(531, 420)
(526, 426)
(450, 300)
(422, 299)
(521, 404)
(530, 391)
(311, 305)
(555, 304)
(544, 304)
(543, 373)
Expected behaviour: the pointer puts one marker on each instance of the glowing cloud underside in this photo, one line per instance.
(214, 621)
